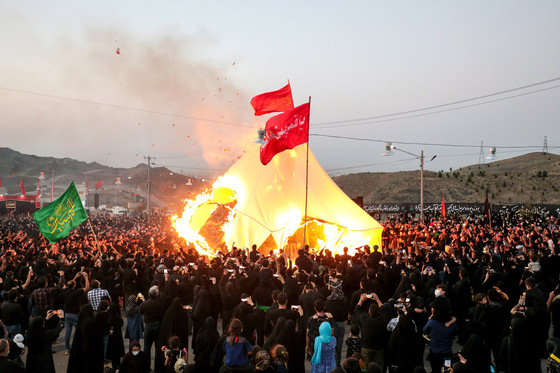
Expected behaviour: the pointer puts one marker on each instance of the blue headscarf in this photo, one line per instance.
(324, 337)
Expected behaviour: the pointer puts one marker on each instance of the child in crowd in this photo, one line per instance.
(173, 354)
(237, 349)
(354, 342)
(280, 359)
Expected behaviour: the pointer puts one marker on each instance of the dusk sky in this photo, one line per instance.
(180, 86)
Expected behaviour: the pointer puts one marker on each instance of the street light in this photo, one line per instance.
(260, 137)
(389, 152)
(492, 155)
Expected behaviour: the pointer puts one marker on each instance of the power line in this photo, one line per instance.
(341, 123)
(371, 164)
(448, 104)
(429, 144)
(125, 107)
(440, 111)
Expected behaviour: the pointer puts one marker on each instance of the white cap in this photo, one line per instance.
(18, 339)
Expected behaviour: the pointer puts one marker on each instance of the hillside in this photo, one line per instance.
(530, 178)
(168, 188)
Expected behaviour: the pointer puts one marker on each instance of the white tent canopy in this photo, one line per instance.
(271, 201)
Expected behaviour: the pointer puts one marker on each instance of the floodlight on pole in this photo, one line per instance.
(492, 155)
(260, 137)
(388, 150)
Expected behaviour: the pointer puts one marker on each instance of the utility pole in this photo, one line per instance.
(422, 186)
(149, 183)
(481, 155)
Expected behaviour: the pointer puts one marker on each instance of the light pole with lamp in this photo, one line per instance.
(389, 152)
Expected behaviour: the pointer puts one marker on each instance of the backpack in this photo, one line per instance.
(180, 364)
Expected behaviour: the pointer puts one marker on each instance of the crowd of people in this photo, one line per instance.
(477, 295)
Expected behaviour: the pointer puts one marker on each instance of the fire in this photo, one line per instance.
(184, 225)
(226, 192)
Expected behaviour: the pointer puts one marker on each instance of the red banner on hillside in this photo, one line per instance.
(443, 205)
(285, 131)
(276, 101)
(22, 188)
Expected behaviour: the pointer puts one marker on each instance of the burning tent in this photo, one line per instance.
(268, 203)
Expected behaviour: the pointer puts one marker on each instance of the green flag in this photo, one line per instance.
(61, 216)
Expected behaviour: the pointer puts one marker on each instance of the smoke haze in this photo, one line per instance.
(87, 96)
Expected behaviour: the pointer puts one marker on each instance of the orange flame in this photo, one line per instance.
(226, 191)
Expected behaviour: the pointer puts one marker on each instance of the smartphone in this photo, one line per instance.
(244, 299)
(447, 363)
(230, 270)
(295, 308)
(369, 295)
(275, 275)
(165, 271)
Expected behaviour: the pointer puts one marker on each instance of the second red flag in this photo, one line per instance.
(285, 131)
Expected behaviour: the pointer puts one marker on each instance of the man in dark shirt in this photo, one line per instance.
(315, 321)
(273, 315)
(373, 328)
(254, 254)
(153, 310)
(12, 314)
(42, 298)
(252, 319)
(307, 302)
(303, 262)
(74, 297)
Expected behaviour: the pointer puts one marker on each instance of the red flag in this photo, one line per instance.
(22, 188)
(87, 185)
(443, 205)
(99, 183)
(276, 101)
(285, 131)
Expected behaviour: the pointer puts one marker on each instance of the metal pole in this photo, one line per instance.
(422, 186)
(149, 186)
(306, 179)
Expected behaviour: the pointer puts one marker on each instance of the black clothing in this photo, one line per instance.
(73, 300)
(12, 313)
(206, 340)
(175, 323)
(154, 309)
(8, 366)
(273, 315)
(135, 364)
(39, 344)
(86, 354)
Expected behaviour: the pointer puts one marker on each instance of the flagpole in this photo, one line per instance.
(94, 236)
(306, 178)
